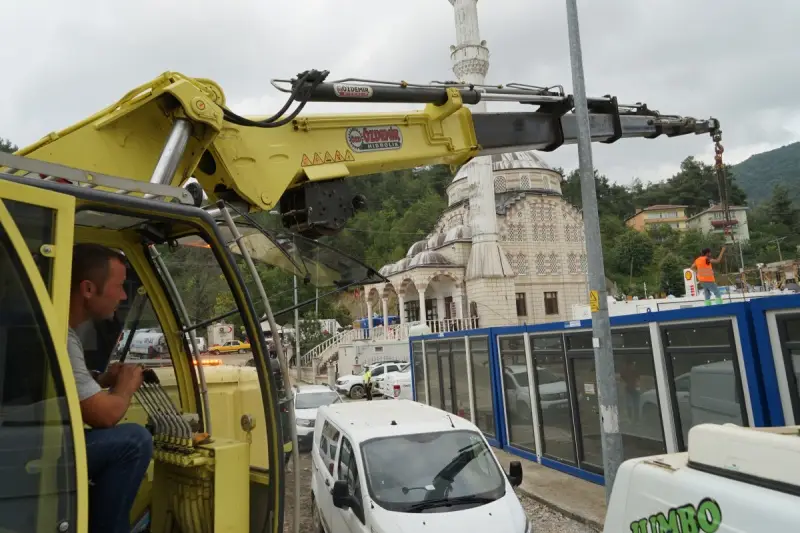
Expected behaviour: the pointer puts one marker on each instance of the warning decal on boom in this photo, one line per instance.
(319, 158)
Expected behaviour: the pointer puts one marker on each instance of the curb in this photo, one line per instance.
(594, 524)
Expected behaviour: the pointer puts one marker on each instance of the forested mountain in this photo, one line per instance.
(759, 174)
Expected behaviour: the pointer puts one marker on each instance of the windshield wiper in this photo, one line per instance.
(448, 502)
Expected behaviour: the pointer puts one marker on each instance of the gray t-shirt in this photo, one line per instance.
(87, 386)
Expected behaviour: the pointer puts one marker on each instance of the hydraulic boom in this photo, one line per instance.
(175, 127)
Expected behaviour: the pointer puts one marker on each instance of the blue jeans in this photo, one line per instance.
(709, 288)
(117, 459)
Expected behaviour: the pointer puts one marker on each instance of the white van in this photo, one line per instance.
(402, 466)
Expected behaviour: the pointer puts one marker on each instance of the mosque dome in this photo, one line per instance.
(435, 240)
(528, 159)
(458, 233)
(429, 258)
(417, 247)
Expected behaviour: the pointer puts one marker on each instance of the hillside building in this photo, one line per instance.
(673, 216)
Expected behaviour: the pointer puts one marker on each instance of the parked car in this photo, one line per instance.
(406, 466)
(230, 347)
(352, 385)
(307, 400)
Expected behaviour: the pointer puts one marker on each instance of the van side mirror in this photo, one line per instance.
(515, 473)
(341, 496)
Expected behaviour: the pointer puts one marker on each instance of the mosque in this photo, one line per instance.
(507, 250)
(540, 234)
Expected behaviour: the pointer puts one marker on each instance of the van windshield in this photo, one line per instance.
(431, 472)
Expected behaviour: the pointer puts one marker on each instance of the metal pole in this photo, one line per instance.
(601, 327)
(173, 152)
(273, 326)
(296, 332)
(780, 255)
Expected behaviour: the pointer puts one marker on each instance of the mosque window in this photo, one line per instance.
(541, 266)
(555, 264)
(500, 184)
(573, 263)
(522, 262)
(551, 303)
(584, 264)
(516, 232)
(522, 306)
(525, 182)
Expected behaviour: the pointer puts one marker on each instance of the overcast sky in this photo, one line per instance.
(730, 59)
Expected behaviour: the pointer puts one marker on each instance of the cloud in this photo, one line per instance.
(728, 59)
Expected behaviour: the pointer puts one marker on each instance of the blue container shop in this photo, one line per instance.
(532, 389)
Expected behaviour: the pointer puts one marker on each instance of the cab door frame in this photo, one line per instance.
(54, 306)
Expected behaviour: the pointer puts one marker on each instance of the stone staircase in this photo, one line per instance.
(323, 352)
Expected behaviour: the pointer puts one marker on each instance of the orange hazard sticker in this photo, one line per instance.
(320, 158)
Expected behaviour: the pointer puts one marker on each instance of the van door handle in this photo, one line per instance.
(327, 482)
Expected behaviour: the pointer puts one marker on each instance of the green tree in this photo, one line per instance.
(311, 334)
(671, 272)
(632, 252)
(780, 208)
(7, 146)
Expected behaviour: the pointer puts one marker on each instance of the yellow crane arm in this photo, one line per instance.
(176, 127)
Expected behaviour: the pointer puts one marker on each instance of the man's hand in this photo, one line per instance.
(106, 408)
(108, 378)
(130, 378)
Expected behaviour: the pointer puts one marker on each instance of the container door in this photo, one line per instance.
(590, 445)
(43, 484)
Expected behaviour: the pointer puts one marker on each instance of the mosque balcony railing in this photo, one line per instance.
(453, 324)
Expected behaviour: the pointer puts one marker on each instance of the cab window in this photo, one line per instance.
(37, 476)
(37, 226)
(348, 469)
(328, 444)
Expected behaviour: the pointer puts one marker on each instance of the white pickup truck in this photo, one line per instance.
(397, 386)
(732, 479)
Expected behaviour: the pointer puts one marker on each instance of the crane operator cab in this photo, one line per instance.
(179, 444)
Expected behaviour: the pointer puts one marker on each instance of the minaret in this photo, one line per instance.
(489, 275)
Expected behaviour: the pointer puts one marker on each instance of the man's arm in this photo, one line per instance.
(719, 257)
(105, 409)
(99, 409)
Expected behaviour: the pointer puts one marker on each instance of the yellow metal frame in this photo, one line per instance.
(130, 244)
(259, 164)
(55, 310)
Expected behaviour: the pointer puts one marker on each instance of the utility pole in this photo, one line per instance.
(296, 332)
(598, 296)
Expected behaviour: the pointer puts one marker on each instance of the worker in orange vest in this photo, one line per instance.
(705, 274)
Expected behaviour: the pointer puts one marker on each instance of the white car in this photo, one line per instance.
(398, 386)
(307, 399)
(379, 383)
(402, 466)
(352, 385)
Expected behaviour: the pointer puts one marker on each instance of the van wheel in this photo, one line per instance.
(357, 392)
(315, 518)
(214, 352)
(242, 350)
